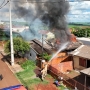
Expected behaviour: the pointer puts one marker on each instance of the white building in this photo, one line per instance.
(19, 29)
(85, 41)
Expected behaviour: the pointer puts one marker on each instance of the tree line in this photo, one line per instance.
(81, 32)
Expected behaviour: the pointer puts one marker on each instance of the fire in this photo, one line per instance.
(73, 38)
(57, 41)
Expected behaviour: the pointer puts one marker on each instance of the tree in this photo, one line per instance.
(20, 47)
(81, 32)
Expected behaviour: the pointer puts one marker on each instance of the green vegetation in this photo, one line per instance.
(80, 29)
(20, 46)
(80, 23)
(28, 76)
(46, 56)
(79, 32)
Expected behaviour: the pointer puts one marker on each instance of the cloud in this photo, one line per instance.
(79, 11)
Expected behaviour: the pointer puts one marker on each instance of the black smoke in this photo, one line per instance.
(50, 12)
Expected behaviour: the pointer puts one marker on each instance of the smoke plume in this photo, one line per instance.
(51, 13)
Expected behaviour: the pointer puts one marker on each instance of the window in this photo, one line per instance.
(82, 62)
(30, 54)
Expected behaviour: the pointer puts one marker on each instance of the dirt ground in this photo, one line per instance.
(9, 78)
(49, 86)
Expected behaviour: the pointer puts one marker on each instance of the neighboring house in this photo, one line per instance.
(81, 63)
(37, 49)
(31, 54)
(81, 57)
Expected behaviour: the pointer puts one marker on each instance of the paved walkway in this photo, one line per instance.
(9, 78)
(15, 68)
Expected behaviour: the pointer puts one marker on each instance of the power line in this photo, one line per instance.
(4, 5)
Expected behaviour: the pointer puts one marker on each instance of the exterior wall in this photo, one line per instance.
(66, 66)
(59, 58)
(61, 63)
(76, 63)
(61, 67)
(31, 55)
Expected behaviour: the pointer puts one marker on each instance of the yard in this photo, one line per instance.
(28, 77)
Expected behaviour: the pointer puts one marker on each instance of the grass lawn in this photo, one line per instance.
(28, 77)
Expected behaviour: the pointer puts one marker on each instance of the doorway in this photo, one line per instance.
(88, 63)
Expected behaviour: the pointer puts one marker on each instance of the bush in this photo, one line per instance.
(46, 56)
(79, 32)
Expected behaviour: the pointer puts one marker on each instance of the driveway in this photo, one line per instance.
(9, 78)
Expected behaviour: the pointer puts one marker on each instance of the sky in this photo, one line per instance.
(79, 11)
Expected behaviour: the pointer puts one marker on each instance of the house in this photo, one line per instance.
(81, 57)
(37, 49)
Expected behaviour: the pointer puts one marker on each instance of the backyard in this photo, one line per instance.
(28, 77)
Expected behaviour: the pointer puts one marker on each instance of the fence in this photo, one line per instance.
(67, 80)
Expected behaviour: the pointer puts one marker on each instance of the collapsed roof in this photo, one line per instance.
(47, 48)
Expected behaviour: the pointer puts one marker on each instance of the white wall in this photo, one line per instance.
(76, 63)
(85, 41)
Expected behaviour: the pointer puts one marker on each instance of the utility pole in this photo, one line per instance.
(42, 45)
(11, 36)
